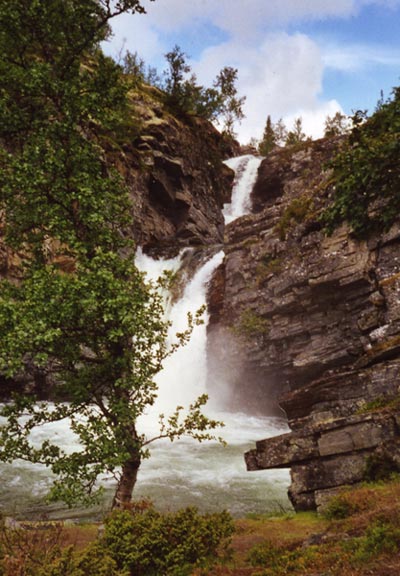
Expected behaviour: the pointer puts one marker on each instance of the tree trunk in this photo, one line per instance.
(126, 484)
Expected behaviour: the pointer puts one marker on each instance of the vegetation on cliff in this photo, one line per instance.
(181, 92)
(367, 172)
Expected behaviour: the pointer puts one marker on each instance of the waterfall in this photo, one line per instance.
(207, 475)
(245, 168)
(183, 377)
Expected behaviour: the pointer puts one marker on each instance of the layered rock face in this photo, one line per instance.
(312, 322)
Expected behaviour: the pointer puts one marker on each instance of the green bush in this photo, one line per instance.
(251, 324)
(379, 467)
(277, 561)
(264, 554)
(141, 542)
(380, 538)
(367, 172)
(340, 507)
(295, 213)
(149, 543)
(93, 561)
(268, 265)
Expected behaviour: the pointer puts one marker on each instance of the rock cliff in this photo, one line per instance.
(302, 324)
(177, 178)
(311, 322)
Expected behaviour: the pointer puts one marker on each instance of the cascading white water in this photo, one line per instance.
(183, 377)
(246, 168)
(207, 475)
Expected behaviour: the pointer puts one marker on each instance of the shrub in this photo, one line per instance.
(268, 265)
(294, 213)
(25, 552)
(139, 542)
(367, 172)
(340, 507)
(251, 324)
(380, 538)
(149, 543)
(93, 561)
(278, 561)
(379, 466)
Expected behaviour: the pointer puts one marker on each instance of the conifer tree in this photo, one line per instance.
(296, 135)
(268, 141)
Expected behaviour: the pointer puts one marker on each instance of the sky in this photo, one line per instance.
(308, 58)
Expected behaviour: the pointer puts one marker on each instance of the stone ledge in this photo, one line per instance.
(329, 455)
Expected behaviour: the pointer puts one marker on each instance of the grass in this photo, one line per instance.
(358, 536)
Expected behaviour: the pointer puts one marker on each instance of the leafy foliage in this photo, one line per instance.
(81, 312)
(367, 172)
(231, 104)
(295, 212)
(380, 538)
(277, 561)
(151, 543)
(336, 125)
(24, 552)
(380, 466)
(135, 543)
(340, 507)
(251, 324)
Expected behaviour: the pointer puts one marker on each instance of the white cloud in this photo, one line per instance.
(242, 16)
(281, 74)
(358, 56)
(282, 77)
(136, 34)
(314, 118)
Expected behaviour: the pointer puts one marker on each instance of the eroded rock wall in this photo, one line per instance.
(173, 166)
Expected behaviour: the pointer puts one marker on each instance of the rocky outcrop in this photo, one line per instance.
(177, 178)
(313, 324)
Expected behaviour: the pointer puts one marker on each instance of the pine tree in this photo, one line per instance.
(296, 135)
(269, 139)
